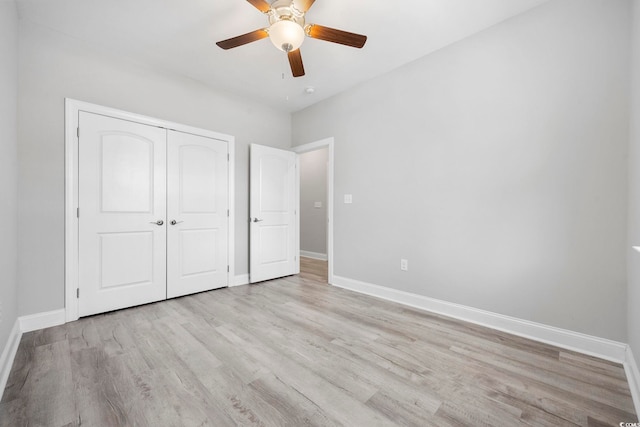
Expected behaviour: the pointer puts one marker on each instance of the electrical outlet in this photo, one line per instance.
(404, 265)
(348, 198)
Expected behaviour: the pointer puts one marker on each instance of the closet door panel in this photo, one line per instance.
(122, 205)
(197, 234)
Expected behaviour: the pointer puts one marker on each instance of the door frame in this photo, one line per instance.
(71, 235)
(305, 148)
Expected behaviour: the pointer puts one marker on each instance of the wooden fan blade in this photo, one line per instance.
(243, 39)
(303, 5)
(336, 36)
(295, 60)
(261, 5)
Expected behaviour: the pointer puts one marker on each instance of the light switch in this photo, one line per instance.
(317, 205)
(348, 198)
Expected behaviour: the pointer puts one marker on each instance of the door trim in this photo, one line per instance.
(312, 146)
(72, 110)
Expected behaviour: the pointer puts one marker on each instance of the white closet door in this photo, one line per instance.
(197, 229)
(122, 222)
(273, 207)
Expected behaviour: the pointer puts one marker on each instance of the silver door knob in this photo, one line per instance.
(158, 222)
(257, 220)
(174, 222)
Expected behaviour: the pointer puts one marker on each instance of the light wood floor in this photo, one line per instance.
(294, 352)
(313, 269)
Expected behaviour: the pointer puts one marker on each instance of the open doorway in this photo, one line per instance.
(316, 210)
(313, 214)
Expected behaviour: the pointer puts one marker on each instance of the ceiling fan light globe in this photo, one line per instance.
(286, 35)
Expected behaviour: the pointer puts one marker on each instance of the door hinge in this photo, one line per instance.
(228, 157)
(77, 292)
(78, 212)
(78, 131)
(227, 268)
(227, 212)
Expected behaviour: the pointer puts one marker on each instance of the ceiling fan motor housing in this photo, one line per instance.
(285, 9)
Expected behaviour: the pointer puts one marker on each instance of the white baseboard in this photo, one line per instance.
(633, 377)
(37, 321)
(587, 344)
(239, 280)
(314, 255)
(9, 354)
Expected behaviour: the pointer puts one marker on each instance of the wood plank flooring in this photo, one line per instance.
(296, 351)
(314, 269)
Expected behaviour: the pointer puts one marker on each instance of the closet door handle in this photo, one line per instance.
(257, 220)
(174, 222)
(158, 222)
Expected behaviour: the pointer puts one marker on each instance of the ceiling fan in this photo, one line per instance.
(287, 30)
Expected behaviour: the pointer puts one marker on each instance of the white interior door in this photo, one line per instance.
(273, 213)
(122, 213)
(197, 209)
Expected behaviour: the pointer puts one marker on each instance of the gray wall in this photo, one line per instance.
(52, 67)
(313, 188)
(8, 169)
(634, 192)
(497, 166)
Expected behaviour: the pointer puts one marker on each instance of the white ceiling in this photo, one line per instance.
(179, 36)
